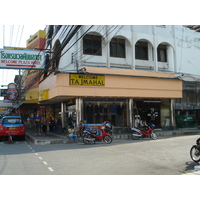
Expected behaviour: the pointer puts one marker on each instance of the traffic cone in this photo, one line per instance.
(10, 139)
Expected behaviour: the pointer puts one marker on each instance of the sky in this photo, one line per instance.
(15, 36)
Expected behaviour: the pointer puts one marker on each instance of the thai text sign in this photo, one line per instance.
(21, 59)
(90, 80)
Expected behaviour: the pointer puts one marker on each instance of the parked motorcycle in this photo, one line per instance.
(146, 131)
(195, 151)
(90, 136)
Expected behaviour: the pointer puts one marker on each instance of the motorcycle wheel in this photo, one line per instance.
(195, 154)
(153, 136)
(134, 137)
(107, 139)
(85, 139)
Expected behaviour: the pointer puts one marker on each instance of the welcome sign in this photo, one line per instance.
(22, 59)
(89, 80)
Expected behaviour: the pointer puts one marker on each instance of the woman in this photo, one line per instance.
(72, 136)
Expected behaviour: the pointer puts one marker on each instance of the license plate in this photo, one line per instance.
(12, 128)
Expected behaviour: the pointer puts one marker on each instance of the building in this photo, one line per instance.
(29, 82)
(122, 73)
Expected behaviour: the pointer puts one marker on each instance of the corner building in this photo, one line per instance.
(123, 73)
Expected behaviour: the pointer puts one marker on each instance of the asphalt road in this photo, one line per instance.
(165, 156)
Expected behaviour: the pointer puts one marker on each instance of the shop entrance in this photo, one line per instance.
(148, 110)
(98, 110)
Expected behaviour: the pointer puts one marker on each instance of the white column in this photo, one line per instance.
(130, 111)
(63, 115)
(172, 110)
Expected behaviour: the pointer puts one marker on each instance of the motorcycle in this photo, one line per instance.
(195, 151)
(90, 136)
(146, 131)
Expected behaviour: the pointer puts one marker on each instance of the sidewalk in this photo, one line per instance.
(60, 137)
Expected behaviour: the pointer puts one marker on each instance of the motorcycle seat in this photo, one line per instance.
(92, 131)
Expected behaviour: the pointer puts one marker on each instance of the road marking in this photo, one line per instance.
(44, 162)
(50, 169)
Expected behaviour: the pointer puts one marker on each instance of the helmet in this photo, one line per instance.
(152, 126)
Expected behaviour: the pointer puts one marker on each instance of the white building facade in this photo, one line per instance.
(164, 51)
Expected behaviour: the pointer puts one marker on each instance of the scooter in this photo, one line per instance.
(90, 136)
(195, 151)
(146, 131)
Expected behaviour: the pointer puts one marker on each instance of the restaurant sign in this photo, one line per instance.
(22, 59)
(87, 79)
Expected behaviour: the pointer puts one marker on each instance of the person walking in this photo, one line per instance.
(51, 124)
(37, 120)
(44, 122)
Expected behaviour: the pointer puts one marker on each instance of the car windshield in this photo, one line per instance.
(12, 121)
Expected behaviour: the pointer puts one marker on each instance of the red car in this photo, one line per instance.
(12, 126)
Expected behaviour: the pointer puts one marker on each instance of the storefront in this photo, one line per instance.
(122, 96)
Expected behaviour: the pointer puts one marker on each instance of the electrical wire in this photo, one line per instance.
(3, 35)
(21, 35)
(77, 40)
(54, 57)
(17, 35)
(108, 32)
(11, 34)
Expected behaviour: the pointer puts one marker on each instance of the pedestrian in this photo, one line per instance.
(80, 128)
(28, 122)
(44, 125)
(51, 124)
(71, 134)
(37, 120)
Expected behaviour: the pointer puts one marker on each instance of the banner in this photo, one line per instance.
(22, 59)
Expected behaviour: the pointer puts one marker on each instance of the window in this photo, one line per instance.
(117, 48)
(92, 45)
(162, 53)
(12, 121)
(189, 92)
(141, 50)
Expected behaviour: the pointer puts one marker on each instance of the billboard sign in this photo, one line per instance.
(22, 59)
(12, 92)
(38, 40)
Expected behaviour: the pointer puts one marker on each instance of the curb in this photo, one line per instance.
(62, 139)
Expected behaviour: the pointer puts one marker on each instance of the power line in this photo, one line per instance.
(77, 40)
(70, 34)
(11, 34)
(3, 35)
(17, 35)
(21, 35)
(106, 34)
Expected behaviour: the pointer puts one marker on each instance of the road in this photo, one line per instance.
(165, 156)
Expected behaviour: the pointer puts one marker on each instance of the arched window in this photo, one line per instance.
(117, 48)
(92, 45)
(162, 53)
(141, 50)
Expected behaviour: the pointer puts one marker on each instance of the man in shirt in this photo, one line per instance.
(37, 120)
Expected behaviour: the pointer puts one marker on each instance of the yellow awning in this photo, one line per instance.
(31, 101)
